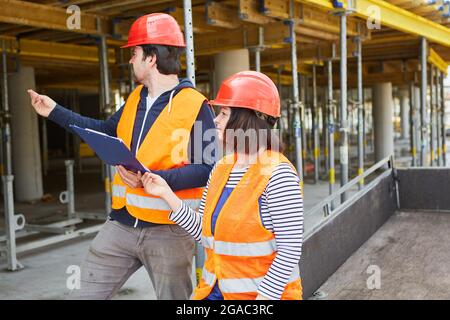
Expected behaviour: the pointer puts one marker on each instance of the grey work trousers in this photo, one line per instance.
(118, 251)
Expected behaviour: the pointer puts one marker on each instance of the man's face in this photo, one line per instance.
(141, 68)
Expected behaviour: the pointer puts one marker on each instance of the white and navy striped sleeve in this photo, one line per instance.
(285, 207)
(189, 219)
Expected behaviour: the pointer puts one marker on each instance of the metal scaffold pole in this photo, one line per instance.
(305, 98)
(360, 105)
(413, 122)
(325, 131)
(190, 73)
(315, 125)
(259, 48)
(131, 78)
(107, 111)
(7, 161)
(432, 118)
(442, 103)
(280, 124)
(344, 157)
(438, 118)
(44, 146)
(7, 177)
(189, 38)
(331, 104)
(423, 103)
(295, 96)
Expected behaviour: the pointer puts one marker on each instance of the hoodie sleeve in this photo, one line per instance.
(202, 154)
(65, 117)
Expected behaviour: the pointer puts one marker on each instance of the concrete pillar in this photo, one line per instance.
(229, 62)
(404, 112)
(26, 154)
(382, 117)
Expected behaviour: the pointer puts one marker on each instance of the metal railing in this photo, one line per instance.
(17, 227)
(326, 205)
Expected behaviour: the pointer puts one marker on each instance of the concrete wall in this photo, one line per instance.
(228, 63)
(330, 246)
(424, 188)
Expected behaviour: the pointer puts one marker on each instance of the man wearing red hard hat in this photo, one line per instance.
(138, 231)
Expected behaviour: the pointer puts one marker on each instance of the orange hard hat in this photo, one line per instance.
(155, 28)
(251, 90)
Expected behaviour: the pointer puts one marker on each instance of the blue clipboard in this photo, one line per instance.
(111, 150)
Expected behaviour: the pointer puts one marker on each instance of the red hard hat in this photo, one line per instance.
(251, 90)
(155, 28)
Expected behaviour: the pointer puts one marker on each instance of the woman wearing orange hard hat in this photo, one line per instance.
(250, 219)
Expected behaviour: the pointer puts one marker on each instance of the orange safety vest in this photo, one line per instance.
(241, 251)
(158, 151)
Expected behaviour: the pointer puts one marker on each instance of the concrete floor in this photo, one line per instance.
(412, 253)
(44, 276)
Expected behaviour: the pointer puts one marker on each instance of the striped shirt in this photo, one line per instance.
(281, 212)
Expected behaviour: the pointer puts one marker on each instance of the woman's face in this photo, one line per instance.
(221, 121)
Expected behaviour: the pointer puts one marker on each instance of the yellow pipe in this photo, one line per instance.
(437, 61)
(332, 177)
(360, 172)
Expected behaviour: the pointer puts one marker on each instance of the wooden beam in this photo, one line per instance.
(95, 7)
(221, 15)
(43, 16)
(55, 50)
(274, 34)
(304, 53)
(323, 35)
(199, 21)
(249, 11)
(260, 12)
(286, 80)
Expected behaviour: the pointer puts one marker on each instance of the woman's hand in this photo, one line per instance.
(155, 185)
(261, 297)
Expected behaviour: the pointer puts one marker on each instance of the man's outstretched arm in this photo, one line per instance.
(48, 108)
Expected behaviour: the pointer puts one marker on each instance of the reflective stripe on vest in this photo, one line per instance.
(248, 284)
(208, 277)
(208, 242)
(145, 202)
(252, 249)
(118, 191)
